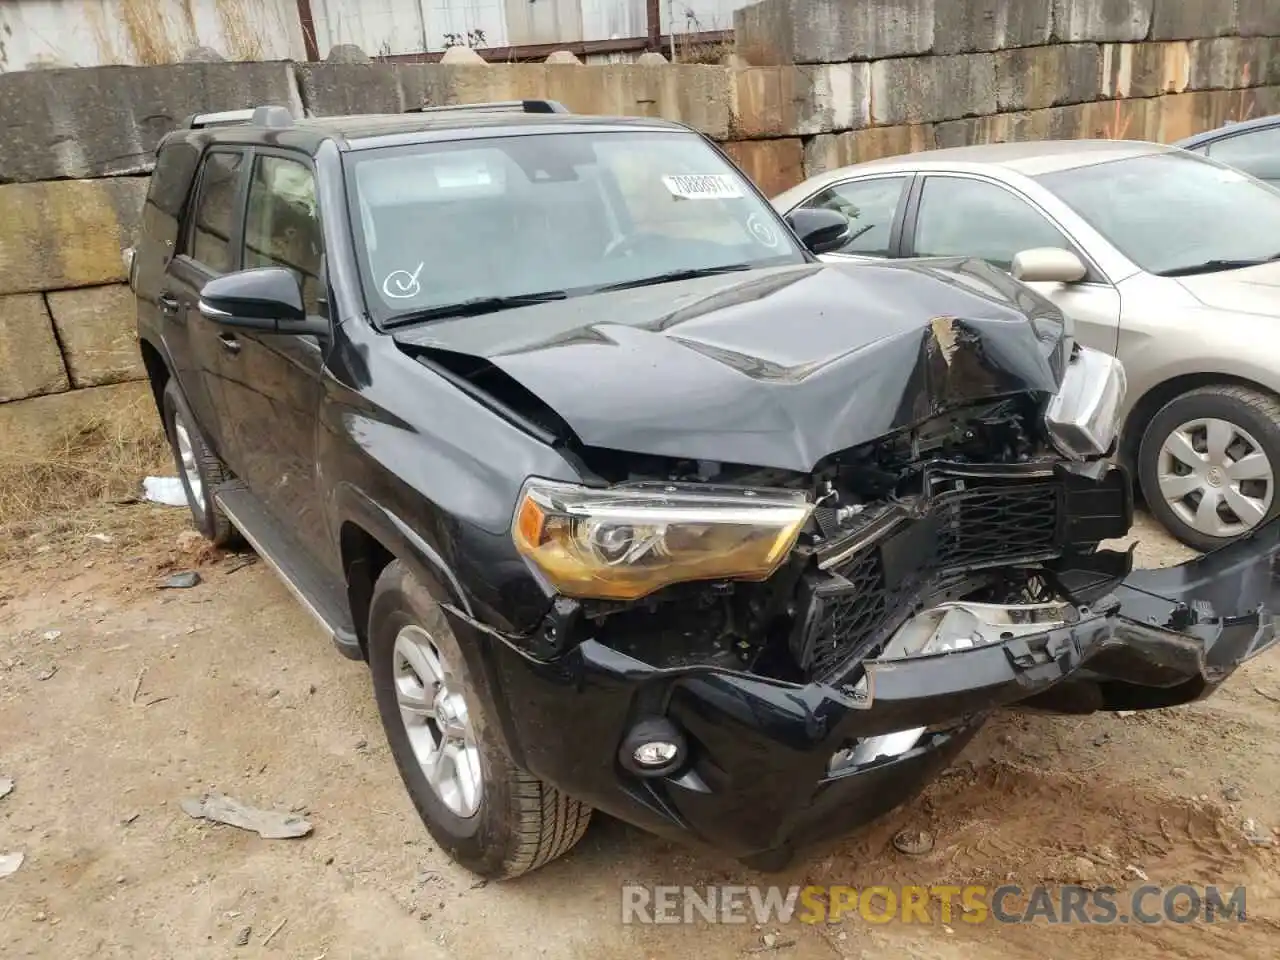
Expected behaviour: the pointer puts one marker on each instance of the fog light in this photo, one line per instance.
(657, 753)
(653, 748)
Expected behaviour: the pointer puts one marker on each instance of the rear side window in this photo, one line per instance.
(282, 228)
(871, 206)
(1257, 153)
(213, 216)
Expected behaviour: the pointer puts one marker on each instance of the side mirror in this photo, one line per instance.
(1048, 265)
(821, 230)
(268, 299)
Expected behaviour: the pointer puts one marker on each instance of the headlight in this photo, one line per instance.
(624, 542)
(1084, 416)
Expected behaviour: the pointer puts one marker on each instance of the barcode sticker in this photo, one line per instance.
(708, 186)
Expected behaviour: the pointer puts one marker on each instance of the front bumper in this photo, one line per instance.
(760, 782)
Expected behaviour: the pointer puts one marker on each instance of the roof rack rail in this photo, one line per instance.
(266, 116)
(502, 106)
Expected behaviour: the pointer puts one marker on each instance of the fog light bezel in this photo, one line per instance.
(647, 733)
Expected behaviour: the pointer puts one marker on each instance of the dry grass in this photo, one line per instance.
(96, 462)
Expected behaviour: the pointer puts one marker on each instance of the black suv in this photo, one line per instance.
(629, 501)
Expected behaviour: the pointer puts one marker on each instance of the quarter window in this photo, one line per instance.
(871, 206)
(215, 212)
(973, 218)
(282, 228)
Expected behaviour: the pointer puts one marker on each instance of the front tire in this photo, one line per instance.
(199, 469)
(494, 819)
(1209, 462)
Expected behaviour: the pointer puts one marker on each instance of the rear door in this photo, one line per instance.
(874, 207)
(967, 216)
(207, 247)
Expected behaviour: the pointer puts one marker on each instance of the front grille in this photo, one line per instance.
(986, 526)
(882, 584)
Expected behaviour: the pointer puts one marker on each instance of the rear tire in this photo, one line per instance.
(488, 815)
(1195, 448)
(199, 469)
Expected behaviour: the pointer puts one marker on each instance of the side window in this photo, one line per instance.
(214, 213)
(282, 228)
(1257, 153)
(972, 218)
(871, 206)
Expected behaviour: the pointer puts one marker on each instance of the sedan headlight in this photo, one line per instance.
(1083, 418)
(625, 542)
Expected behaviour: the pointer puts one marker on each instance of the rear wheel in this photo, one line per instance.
(200, 471)
(491, 817)
(1209, 462)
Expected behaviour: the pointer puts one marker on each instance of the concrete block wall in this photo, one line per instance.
(814, 84)
(871, 78)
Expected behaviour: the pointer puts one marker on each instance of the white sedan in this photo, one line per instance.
(1168, 260)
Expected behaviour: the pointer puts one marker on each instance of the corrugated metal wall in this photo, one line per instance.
(384, 27)
(94, 32)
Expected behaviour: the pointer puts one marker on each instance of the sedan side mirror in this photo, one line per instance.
(1048, 265)
(268, 299)
(819, 229)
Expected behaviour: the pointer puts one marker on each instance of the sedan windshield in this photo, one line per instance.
(1175, 213)
(479, 225)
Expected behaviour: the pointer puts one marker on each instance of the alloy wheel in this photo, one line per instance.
(190, 467)
(435, 717)
(1215, 477)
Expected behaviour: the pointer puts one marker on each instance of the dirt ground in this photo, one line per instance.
(118, 700)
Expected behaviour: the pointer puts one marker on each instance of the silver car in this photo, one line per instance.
(1168, 260)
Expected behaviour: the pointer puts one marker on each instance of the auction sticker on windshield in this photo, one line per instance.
(709, 186)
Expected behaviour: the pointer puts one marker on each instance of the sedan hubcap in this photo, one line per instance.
(187, 456)
(435, 717)
(1216, 477)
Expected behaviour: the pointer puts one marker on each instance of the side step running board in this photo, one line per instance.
(314, 588)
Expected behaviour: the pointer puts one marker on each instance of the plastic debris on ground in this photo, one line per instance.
(165, 490)
(268, 824)
(9, 863)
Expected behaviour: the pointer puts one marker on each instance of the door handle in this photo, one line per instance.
(229, 342)
(168, 305)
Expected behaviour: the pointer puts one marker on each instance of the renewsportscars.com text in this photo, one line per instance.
(939, 903)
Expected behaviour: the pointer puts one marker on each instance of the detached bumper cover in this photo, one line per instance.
(761, 781)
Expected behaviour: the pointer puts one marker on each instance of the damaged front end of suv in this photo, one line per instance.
(829, 519)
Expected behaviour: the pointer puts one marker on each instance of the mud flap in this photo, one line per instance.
(1162, 638)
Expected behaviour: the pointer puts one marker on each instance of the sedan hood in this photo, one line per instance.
(1251, 290)
(771, 368)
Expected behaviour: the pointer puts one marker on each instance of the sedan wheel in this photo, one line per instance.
(1208, 464)
(1216, 477)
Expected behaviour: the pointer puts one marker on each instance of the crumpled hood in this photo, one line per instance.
(771, 368)
(1251, 290)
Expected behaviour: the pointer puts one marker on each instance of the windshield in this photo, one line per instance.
(1175, 213)
(533, 217)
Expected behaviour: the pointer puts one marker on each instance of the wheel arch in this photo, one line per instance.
(370, 538)
(158, 372)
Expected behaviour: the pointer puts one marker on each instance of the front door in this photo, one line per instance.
(970, 217)
(272, 382)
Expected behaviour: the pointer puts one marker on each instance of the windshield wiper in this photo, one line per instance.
(674, 276)
(475, 307)
(1213, 266)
